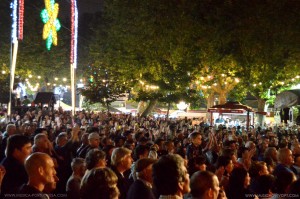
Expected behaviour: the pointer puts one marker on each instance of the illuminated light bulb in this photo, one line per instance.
(215, 84)
(48, 84)
(39, 77)
(254, 85)
(281, 83)
(55, 78)
(237, 80)
(223, 75)
(54, 84)
(202, 78)
(225, 83)
(30, 76)
(260, 83)
(297, 76)
(209, 77)
(3, 72)
(81, 80)
(64, 79)
(293, 79)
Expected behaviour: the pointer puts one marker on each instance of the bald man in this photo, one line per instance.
(41, 172)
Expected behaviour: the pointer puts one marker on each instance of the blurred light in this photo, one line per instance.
(30, 76)
(3, 72)
(64, 79)
(39, 77)
(55, 78)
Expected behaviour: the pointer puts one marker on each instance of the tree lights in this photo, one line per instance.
(52, 24)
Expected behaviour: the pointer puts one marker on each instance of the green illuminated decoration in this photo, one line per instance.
(52, 24)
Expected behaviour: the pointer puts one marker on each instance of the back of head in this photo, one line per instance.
(34, 161)
(99, 183)
(118, 155)
(93, 157)
(167, 173)
(201, 181)
(282, 155)
(77, 163)
(16, 142)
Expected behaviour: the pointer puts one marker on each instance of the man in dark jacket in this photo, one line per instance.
(18, 149)
(143, 185)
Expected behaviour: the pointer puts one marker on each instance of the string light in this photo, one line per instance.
(14, 16)
(52, 24)
(74, 33)
(21, 19)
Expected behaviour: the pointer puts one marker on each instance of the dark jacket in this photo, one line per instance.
(123, 184)
(29, 192)
(140, 190)
(15, 176)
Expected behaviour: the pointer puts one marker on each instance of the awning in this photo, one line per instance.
(230, 107)
(287, 99)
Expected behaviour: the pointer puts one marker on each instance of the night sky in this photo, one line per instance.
(84, 6)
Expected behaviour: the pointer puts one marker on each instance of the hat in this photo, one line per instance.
(143, 163)
(94, 136)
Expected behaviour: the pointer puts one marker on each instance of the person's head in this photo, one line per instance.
(141, 151)
(257, 169)
(297, 160)
(19, 147)
(78, 166)
(121, 159)
(283, 180)
(196, 138)
(295, 187)
(285, 156)
(265, 184)
(41, 142)
(94, 140)
(170, 175)
(196, 164)
(271, 152)
(62, 139)
(143, 169)
(204, 185)
(40, 169)
(100, 182)
(239, 178)
(11, 129)
(226, 162)
(95, 158)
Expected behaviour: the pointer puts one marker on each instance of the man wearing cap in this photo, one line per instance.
(94, 143)
(143, 185)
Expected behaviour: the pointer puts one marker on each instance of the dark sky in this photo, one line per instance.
(84, 6)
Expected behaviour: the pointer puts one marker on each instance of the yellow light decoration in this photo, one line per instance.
(52, 24)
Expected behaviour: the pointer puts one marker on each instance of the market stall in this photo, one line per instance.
(231, 109)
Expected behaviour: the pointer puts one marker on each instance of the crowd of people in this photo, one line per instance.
(52, 154)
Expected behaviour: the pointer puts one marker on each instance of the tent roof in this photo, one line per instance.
(287, 99)
(230, 107)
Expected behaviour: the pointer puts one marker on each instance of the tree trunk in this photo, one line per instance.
(222, 97)
(149, 108)
(261, 108)
(210, 102)
(141, 106)
(168, 111)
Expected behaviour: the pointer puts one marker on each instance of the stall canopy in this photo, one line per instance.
(287, 99)
(231, 108)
